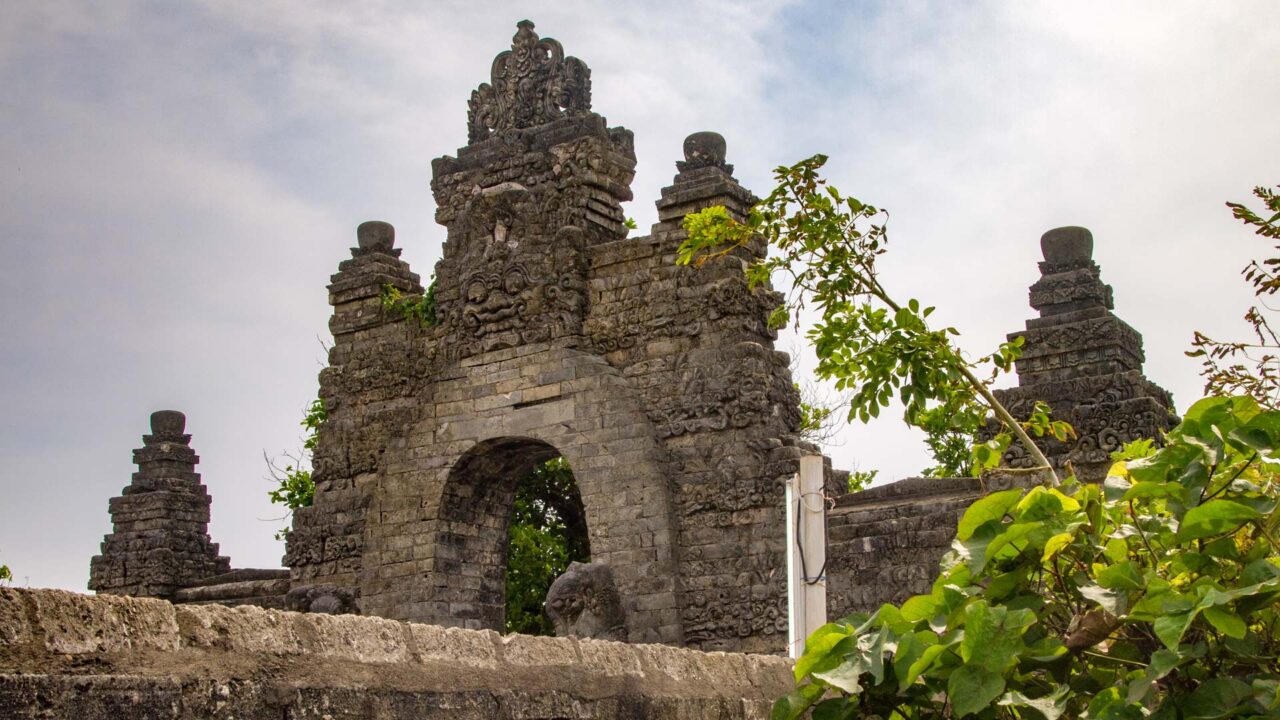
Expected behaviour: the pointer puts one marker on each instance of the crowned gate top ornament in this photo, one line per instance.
(532, 83)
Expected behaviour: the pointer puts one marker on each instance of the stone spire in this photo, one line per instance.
(704, 179)
(160, 540)
(1083, 361)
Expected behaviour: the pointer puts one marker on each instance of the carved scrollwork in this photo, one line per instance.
(531, 84)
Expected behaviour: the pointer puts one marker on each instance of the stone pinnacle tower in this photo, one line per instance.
(160, 540)
(1084, 362)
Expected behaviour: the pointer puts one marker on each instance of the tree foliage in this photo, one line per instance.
(548, 531)
(1250, 367)
(295, 487)
(1152, 595)
(826, 246)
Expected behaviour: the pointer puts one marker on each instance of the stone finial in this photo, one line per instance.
(376, 236)
(704, 149)
(168, 423)
(531, 84)
(1068, 245)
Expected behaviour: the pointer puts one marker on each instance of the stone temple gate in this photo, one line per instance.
(558, 335)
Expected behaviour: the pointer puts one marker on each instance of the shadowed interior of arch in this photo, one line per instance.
(513, 520)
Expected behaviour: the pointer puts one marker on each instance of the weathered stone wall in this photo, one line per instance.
(885, 543)
(64, 655)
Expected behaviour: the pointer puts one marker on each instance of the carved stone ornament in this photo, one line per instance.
(532, 83)
(584, 602)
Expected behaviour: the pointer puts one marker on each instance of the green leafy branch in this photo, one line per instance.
(421, 308)
(1156, 594)
(1251, 367)
(295, 488)
(827, 245)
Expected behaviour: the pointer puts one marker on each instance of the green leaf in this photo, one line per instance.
(993, 635)
(1056, 544)
(835, 709)
(1113, 601)
(1050, 706)
(1162, 662)
(992, 507)
(1121, 576)
(795, 703)
(1226, 622)
(1215, 698)
(818, 646)
(1170, 628)
(972, 688)
(1214, 518)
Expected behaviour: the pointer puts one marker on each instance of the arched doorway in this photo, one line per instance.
(500, 487)
(548, 531)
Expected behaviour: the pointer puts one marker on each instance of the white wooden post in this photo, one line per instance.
(806, 553)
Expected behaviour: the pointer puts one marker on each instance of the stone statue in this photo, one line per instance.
(584, 602)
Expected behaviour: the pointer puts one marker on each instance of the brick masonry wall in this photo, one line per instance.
(94, 658)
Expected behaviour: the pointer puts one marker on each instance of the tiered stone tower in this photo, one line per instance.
(160, 524)
(1084, 362)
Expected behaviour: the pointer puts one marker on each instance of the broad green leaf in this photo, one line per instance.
(818, 647)
(835, 709)
(1214, 518)
(1050, 706)
(993, 635)
(1121, 576)
(845, 675)
(1056, 544)
(986, 509)
(1215, 698)
(795, 703)
(1170, 628)
(972, 688)
(919, 607)
(1162, 662)
(1226, 622)
(1113, 601)
(1110, 705)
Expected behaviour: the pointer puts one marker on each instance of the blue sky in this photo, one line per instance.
(178, 180)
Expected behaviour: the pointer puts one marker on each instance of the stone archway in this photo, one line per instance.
(473, 542)
(434, 530)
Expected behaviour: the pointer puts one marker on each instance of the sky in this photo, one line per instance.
(178, 180)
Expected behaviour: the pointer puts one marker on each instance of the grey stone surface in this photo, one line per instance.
(584, 603)
(64, 655)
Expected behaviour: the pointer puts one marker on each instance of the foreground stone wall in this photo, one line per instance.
(68, 655)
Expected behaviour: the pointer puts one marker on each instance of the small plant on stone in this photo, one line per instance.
(867, 341)
(5, 574)
(295, 487)
(421, 308)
